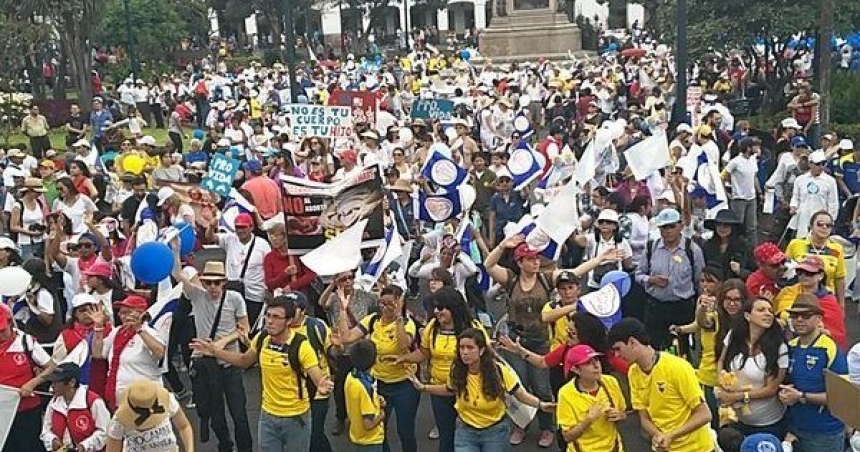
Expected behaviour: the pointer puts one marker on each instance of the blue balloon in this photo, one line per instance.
(620, 279)
(199, 134)
(151, 262)
(465, 54)
(187, 238)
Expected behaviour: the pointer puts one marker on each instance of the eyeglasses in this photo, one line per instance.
(824, 225)
(801, 315)
(85, 245)
(737, 300)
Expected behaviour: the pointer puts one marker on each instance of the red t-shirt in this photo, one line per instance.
(758, 284)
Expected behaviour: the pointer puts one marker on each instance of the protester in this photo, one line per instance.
(144, 415)
(76, 418)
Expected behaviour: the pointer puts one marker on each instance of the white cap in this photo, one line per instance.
(846, 145)
(667, 195)
(164, 193)
(82, 143)
(7, 244)
(684, 127)
(818, 157)
(223, 143)
(147, 140)
(83, 299)
(189, 272)
(608, 215)
(790, 123)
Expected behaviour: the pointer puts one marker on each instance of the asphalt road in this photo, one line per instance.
(633, 440)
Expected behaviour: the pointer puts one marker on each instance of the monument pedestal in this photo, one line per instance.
(532, 32)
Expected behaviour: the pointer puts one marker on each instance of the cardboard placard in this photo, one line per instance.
(362, 103)
(222, 172)
(843, 399)
(438, 109)
(320, 121)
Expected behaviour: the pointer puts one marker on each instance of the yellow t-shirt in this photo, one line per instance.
(474, 408)
(573, 405)
(669, 394)
(325, 339)
(707, 371)
(558, 329)
(833, 256)
(256, 108)
(151, 162)
(359, 403)
(443, 350)
(280, 382)
(385, 338)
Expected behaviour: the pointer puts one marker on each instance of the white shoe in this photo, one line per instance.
(434, 433)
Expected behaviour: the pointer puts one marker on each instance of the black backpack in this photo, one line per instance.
(416, 341)
(292, 352)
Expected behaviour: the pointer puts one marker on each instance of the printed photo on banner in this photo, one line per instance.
(438, 109)
(317, 212)
(222, 172)
(362, 103)
(320, 121)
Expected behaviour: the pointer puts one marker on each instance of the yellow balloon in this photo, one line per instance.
(133, 164)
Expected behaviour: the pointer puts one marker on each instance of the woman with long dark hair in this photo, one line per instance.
(74, 204)
(727, 248)
(757, 355)
(479, 383)
(439, 347)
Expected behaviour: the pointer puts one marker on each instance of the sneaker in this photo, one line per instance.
(183, 394)
(190, 404)
(434, 433)
(546, 439)
(517, 437)
(339, 426)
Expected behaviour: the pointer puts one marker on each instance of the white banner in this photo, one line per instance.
(9, 399)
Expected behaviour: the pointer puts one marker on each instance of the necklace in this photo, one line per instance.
(816, 249)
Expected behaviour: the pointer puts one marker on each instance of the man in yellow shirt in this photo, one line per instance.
(364, 405)
(664, 391)
(287, 360)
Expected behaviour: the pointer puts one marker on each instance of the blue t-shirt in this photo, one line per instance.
(806, 373)
(849, 171)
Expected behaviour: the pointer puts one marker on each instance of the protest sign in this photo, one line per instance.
(362, 104)
(438, 109)
(320, 121)
(222, 171)
(317, 212)
(9, 399)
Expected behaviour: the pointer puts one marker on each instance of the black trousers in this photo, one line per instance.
(660, 315)
(210, 393)
(24, 434)
(342, 367)
(319, 440)
(38, 146)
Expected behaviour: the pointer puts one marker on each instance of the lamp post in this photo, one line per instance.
(290, 35)
(679, 114)
(132, 53)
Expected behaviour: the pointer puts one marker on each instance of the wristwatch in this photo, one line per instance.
(803, 398)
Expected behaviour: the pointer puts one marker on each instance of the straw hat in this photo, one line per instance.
(34, 184)
(401, 185)
(213, 271)
(143, 406)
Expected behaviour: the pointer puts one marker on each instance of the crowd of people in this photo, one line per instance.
(723, 337)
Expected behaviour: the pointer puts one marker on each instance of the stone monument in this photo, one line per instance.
(529, 28)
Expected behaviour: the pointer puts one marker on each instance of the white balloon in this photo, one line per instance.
(406, 136)
(467, 196)
(603, 138)
(14, 281)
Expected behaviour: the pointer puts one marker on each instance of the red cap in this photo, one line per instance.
(769, 253)
(133, 302)
(350, 155)
(811, 264)
(579, 355)
(99, 269)
(244, 220)
(5, 316)
(523, 251)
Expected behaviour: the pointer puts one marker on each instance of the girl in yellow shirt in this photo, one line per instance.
(479, 383)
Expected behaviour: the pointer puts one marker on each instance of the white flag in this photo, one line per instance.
(9, 399)
(340, 254)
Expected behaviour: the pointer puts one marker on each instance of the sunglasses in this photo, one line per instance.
(806, 273)
(85, 245)
(824, 225)
(801, 315)
(208, 283)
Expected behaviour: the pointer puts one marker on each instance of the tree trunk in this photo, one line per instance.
(60, 82)
(617, 14)
(81, 64)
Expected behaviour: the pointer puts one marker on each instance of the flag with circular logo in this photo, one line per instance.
(442, 171)
(439, 207)
(525, 165)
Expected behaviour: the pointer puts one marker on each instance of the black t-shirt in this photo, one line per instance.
(129, 208)
(78, 122)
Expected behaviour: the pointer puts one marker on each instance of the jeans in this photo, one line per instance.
(534, 380)
(342, 368)
(713, 405)
(403, 398)
(446, 421)
(746, 211)
(279, 434)
(491, 439)
(32, 250)
(319, 440)
(367, 447)
(234, 393)
(816, 442)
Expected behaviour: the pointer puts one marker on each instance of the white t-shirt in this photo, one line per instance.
(44, 305)
(596, 249)
(136, 360)
(158, 439)
(751, 373)
(255, 284)
(76, 211)
(29, 218)
(743, 173)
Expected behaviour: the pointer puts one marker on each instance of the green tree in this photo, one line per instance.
(156, 25)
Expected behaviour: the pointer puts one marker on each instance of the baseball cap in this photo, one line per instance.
(298, 298)
(580, 354)
(799, 142)
(768, 253)
(244, 220)
(223, 143)
(668, 195)
(5, 316)
(811, 264)
(761, 442)
(846, 145)
(147, 140)
(608, 215)
(566, 277)
(790, 123)
(253, 166)
(65, 372)
(48, 164)
(523, 251)
(667, 217)
(683, 128)
(164, 193)
(817, 157)
(83, 299)
(132, 302)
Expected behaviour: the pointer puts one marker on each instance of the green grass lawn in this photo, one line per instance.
(58, 138)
